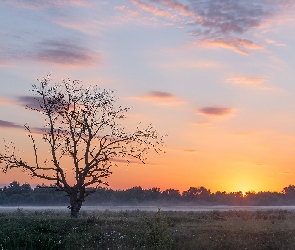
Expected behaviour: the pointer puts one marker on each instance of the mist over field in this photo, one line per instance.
(89, 209)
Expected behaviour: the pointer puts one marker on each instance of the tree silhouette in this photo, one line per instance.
(85, 125)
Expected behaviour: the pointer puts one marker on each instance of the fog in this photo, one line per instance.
(145, 208)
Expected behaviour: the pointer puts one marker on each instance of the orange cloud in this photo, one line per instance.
(190, 150)
(236, 44)
(227, 45)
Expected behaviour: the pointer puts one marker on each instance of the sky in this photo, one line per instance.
(216, 76)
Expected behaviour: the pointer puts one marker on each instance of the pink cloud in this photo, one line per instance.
(42, 4)
(126, 14)
(202, 124)
(160, 95)
(247, 80)
(219, 23)
(236, 44)
(190, 64)
(216, 111)
(160, 98)
(90, 27)
(4, 64)
(183, 9)
(150, 8)
(270, 41)
(128, 11)
(6, 102)
(248, 44)
(226, 45)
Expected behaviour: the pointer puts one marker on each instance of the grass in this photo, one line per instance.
(148, 230)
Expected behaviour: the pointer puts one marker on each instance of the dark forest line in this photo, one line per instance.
(23, 194)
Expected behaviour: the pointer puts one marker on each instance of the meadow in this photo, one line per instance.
(272, 229)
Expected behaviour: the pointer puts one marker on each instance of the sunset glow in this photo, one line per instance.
(216, 76)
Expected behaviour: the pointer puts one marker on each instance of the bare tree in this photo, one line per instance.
(84, 125)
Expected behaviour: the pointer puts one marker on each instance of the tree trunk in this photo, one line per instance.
(76, 204)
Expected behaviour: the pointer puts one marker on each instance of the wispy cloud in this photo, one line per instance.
(216, 111)
(5, 101)
(240, 46)
(219, 23)
(61, 52)
(190, 64)
(128, 11)
(190, 150)
(29, 101)
(285, 173)
(254, 80)
(126, 161)
(125, 14)
(23, 102)
(34, 130)
(9, 55)
(202, 124)
(4, 64)
(7, 124)
(66, 53)
(151, 8)
(42, 4)
(90, 27)
(270, 41)
(160, 98)
(226, 22)
(160, 95)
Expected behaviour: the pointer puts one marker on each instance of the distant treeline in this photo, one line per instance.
(17, 194)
